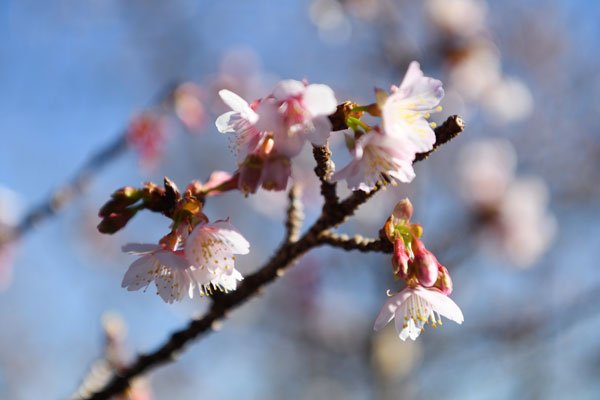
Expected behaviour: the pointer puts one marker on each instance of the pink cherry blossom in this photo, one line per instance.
(210, 249)
(189, 107)
(297, 112)
(378, 158)
(242, 122)
(147, 133)
(406, 110)
(413, 308)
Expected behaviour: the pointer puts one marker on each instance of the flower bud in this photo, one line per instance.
(403, 211)
(426, 265)
(116, 221)
(250, 174)
(400, 259)
(120, 200)
(276, 172)
(444, 282)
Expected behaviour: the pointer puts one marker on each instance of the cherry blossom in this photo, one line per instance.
(413, 308)
(406, 110)
(242, 122)
(147, 133)
(377, 159)
(211, 249)
(297, 112)
(169, 270)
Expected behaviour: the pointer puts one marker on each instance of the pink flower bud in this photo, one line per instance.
(250, 174)
(426, 265)
(444, 282)
(276, 172)
(403, 210)
(400, 259)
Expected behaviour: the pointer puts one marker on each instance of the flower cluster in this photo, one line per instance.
(385, 154)
(183, 262)
(428, 284)
(272, 130)
(195, 256)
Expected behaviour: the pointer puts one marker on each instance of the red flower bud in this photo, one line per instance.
(400, 259)
(426, 265)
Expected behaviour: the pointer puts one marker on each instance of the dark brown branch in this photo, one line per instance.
(283, 259)
(294, 215)
(444, 133)
(324, 171)
(357, 242)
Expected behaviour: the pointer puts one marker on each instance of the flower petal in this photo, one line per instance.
(319, 100)
(140, 273)
(139, 248)
(288, 88)
(442, 304)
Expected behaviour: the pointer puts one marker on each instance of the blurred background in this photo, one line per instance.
(510, 207)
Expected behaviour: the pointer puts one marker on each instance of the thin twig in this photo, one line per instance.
(222, 304)
(294, 215)
(356, 242)
(444, 133)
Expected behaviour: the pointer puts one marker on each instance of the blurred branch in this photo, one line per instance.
(294, 215)
(284, 257)
(68, 192)
(357, 242)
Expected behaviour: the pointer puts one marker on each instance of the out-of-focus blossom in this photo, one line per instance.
(508, 100)
(147, 133)
(297, 112)
(189, 107)
(486, 169)
(413, 308)
(461, 18)
(474, 71)
(406, 110)
(525, 228)
(330, 18)
(476, 74)
(377, 159)
(211, 249)
(512, 211)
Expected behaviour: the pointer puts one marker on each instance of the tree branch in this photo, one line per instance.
(294, 215)
(284, 256)
(357, 242)
(324, 171)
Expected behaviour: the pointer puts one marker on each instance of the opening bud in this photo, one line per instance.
(400, 259)
(425, 264)
(444, 282)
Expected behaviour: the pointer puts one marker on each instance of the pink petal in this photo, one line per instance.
(442, 304)
(288, 88)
